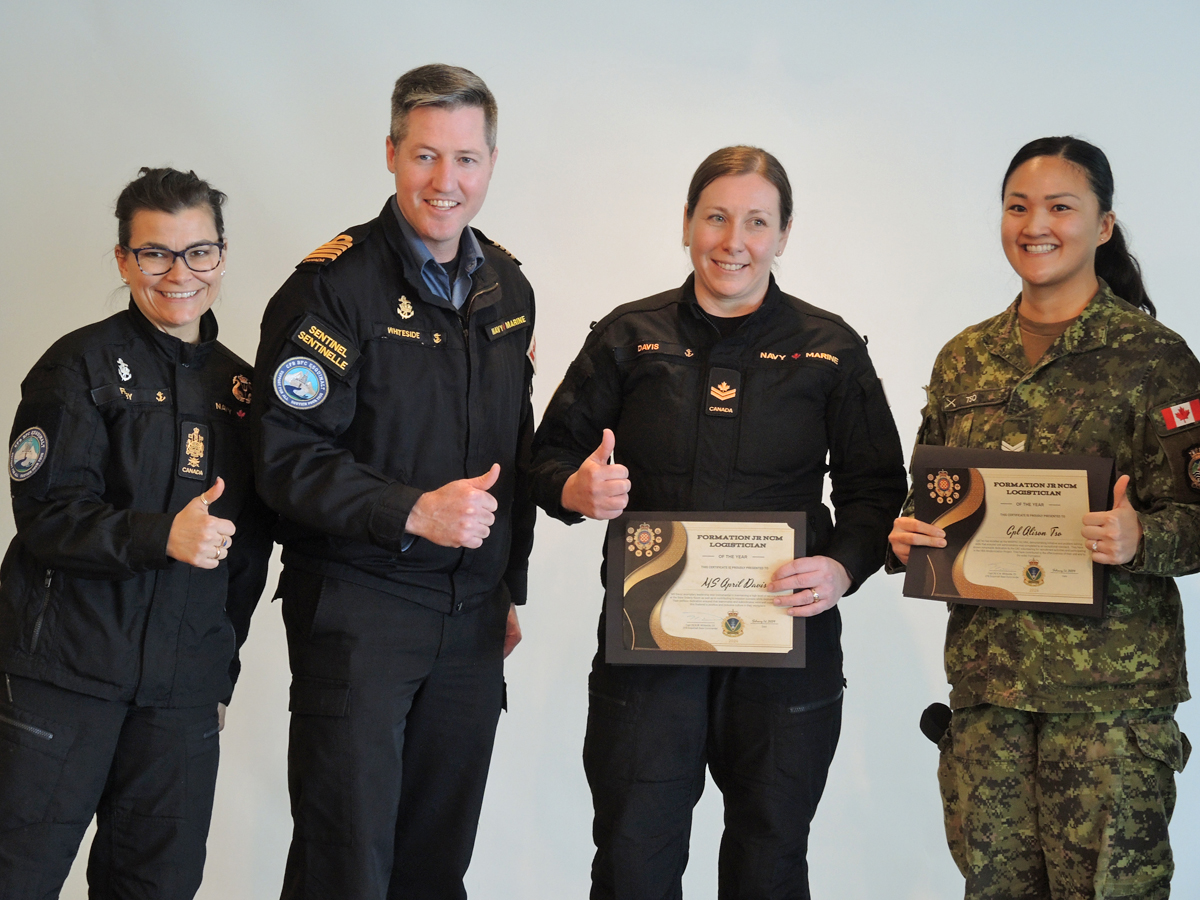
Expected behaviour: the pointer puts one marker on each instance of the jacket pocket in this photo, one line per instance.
(33, 751)
(39, 620)
(320, 760)
(1181, 445)
(1162, 741)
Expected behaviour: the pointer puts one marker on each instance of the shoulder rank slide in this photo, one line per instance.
(330, 250)
(487, 240)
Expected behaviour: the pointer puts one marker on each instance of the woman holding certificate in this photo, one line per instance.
(726, 396)
(1057, 770)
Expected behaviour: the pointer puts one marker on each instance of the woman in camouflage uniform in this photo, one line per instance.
(1057, 770)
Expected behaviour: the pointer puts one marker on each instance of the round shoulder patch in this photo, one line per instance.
(300, 383)
(28, 453)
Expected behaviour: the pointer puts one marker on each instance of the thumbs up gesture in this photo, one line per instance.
(1112, 537)
(197, 537)
(458, 514)
(598, 489)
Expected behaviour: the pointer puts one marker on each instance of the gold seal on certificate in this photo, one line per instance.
(693, 591)
(1012, 524)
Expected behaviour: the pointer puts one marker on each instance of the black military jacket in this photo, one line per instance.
(119, 427)
(375, 391)
(806, 401)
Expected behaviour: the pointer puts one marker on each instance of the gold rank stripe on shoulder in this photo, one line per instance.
(330, 250)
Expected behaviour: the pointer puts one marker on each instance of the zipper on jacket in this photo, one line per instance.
(466, 330)
(37, 624)
(466, 327)
(36, 732)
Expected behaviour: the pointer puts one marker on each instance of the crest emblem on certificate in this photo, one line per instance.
(300, 383)
(1035, 575)
(943, 487)
(733, 626)
(643, 540)
(27, 454)
(404, 308)
(123, 369)
(1192, 455)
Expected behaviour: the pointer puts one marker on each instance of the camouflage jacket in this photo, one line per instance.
(1101, 389)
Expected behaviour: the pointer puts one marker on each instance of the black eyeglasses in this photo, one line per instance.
(159, 260)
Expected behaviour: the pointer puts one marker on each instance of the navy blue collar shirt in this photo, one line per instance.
(435, 276)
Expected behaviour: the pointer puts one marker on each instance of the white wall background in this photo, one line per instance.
(895, 121)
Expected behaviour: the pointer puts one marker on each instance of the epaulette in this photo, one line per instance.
(487, 240)
(331, 250)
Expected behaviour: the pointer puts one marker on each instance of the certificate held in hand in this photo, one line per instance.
(692, 591)
(1012, 524)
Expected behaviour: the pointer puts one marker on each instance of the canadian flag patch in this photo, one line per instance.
(1187, 413)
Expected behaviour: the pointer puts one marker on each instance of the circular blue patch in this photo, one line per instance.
(300, 383)
(27, 454)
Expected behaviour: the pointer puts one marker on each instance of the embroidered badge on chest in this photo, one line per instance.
(193, 451)
(123, 369)
(300, 383)
(241, 388)
(404, 308)
(723, 397)
(28, 453)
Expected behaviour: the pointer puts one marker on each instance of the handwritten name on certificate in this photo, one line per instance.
(718, 598)
(1012, 534)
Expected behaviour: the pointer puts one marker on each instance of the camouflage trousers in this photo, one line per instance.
(1062, 806)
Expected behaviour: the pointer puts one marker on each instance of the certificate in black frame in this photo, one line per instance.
(614, 600)
(923, 562)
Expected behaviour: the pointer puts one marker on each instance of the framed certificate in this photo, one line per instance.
(1012, 523)
(692, 591)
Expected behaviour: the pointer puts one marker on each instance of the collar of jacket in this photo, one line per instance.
(773, 298)
(1088, 332)
(482, 279)
(173, 348)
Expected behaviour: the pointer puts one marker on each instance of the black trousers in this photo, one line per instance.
(650, 732)
(394, 711)
(147, 774)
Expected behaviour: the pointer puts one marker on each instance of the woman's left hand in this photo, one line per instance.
(821, 581)
(1113, 536)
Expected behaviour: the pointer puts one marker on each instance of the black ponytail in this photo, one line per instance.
(1114, 263)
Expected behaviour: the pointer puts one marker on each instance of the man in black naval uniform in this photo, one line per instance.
(393, 435)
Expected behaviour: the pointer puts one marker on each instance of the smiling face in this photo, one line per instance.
(1052, 226)
(442, 170)
(733, 236)
(173, 302)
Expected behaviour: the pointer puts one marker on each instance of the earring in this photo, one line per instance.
(125, 280)
(222, 271)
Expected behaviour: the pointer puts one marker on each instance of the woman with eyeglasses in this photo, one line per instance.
(140, 553)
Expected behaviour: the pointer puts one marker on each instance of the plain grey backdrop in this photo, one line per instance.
(895, 122)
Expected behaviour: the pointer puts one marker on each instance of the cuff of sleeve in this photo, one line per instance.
(517, 582)
(148, 540)
(389, 515)
(857, 568)
(548, 495)
(1151, 546)
(892, 564)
